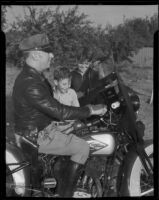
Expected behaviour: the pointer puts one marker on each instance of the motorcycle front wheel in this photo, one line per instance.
(140, 184)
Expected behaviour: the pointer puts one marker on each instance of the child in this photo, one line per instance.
(84, 78)
(62, 91)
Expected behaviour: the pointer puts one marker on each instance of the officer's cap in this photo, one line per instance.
(39, 42)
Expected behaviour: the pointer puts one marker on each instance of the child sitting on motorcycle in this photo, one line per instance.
(62, 91)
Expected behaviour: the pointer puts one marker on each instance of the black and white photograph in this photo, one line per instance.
(79, 100)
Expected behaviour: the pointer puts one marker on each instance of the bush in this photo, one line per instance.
(73, 38)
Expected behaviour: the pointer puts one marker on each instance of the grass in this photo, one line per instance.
(138, 78)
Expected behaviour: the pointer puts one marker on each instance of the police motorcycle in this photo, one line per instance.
(120, 161)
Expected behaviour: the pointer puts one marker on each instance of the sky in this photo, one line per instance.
(98, 14)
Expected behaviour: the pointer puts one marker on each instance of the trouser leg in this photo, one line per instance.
(70, 145)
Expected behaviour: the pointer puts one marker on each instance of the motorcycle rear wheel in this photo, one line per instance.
(140, 183)
(12, 189)
(9, 183)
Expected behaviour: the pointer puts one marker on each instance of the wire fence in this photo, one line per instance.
(144, 57)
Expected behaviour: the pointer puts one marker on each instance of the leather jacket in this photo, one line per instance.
(34, 105)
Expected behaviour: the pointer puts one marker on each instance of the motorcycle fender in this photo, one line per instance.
(125, 171)
(15, 151)
(14, 155)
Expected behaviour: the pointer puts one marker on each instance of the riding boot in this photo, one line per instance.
(69, 180)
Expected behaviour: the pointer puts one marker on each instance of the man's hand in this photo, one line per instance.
(99, 109)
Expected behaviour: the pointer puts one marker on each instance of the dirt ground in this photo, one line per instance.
(138, 78)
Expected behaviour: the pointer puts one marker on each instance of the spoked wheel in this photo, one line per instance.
(16, 181)
(12, 188)
(9, 183)
(141, 184)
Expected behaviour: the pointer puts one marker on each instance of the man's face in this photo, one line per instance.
(63, 84)
(83, 66)
(45, 60)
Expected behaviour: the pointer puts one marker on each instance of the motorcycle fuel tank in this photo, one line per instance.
(101, 143)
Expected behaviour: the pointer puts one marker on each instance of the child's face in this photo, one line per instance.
(83, 66)
(63, 84)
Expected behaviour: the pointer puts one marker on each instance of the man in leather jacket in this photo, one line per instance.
(35, 110)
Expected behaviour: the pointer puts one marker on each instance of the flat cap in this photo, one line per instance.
(36, 42)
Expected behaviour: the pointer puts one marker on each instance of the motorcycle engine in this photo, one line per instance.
(95, 166)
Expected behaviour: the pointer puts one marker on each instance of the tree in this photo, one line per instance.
(13, 38)
(71, 35)
(130, 36)
(3, 16)
(153, 26)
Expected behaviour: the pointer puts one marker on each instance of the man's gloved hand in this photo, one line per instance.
(98, 109)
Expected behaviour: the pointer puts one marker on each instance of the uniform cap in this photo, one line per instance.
(39, 42)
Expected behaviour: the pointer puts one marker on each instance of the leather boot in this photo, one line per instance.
(70, 178)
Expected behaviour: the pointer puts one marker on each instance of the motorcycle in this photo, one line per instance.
(120, 161)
